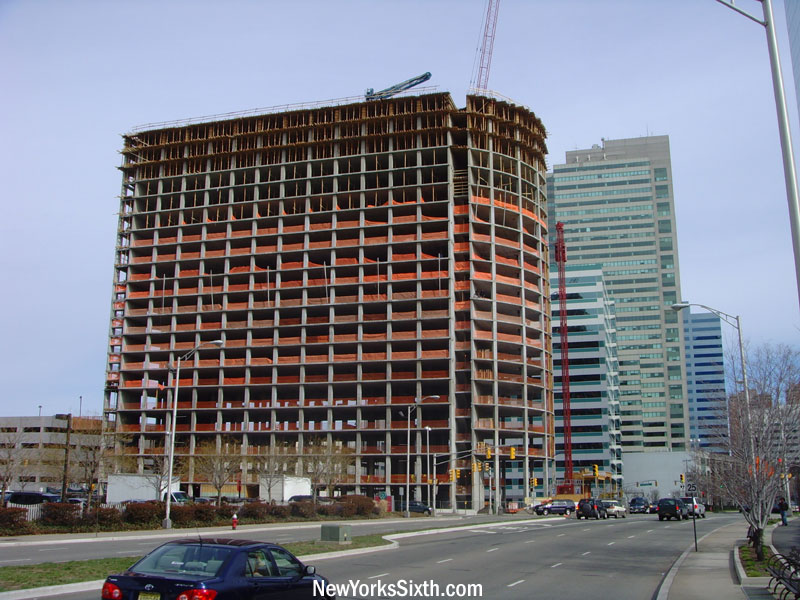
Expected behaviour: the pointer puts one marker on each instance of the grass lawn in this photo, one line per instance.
(753, 567)
(44, 574)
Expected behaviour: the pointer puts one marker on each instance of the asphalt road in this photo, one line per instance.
(550, 558)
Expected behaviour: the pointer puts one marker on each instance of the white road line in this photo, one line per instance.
(444, 560)
(515, 583)
(650, 530)
(561, 534)
(376, 576)
(610, 543)
(530, 541)
(631, 537)
(556, 565)
(492, 549)
(48, 549)
(585, 553)
(481, 531)
(587, 529)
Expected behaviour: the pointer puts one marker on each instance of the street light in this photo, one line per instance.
(789, 174)
(737, 323)
(417, 402)
(167, 524)
(428, 453)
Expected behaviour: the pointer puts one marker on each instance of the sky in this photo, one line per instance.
(76, 75)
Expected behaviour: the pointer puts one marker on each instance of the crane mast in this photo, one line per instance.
(561, 259)
(481, 78)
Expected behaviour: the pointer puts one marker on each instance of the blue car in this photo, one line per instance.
(216, 569)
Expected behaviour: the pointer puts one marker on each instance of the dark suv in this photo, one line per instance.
(639, 505)
(672, 508)
(591, 507)
(557, 507)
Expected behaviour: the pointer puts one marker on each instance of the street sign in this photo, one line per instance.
(646, 483)
(690, 487)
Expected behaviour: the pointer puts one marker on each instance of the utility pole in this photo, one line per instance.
(65, 479)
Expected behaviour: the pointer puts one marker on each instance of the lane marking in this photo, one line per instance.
(481, 531)
(587, 529)
(492, 549)
(444, 560)
(650, 531)
(561, 534)
(515, 583)
(556, 565)
(376, 576)
(585, 553)
(610, 543)
(530, 541)
(631, 537)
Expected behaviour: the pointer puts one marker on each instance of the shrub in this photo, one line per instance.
(344, 509)
(302, 509)
(254, 510)
(207, 513)
(103, 516)
(143, 512)
(279, 511)
(362, 505)
(14, 518)
(182, 513)
(225, 511)
(60, 513)
(326, 510)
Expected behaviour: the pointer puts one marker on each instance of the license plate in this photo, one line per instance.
(149, 596)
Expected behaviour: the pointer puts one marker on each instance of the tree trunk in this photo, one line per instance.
(758, 543)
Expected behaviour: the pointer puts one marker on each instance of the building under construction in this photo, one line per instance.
(376, 271)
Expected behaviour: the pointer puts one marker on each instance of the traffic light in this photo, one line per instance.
(458, 473)
(532, 482)
(488, 453)
(452, 474)
(474, 466)
(513, 453)
(683, 478)
(595, 470)
(535, 482)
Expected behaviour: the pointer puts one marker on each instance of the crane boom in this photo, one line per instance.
(371, 94)
(481, 81)
(561, 259)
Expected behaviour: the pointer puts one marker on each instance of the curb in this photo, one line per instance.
(85, 586)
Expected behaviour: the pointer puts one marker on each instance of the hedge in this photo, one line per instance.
(60, 513)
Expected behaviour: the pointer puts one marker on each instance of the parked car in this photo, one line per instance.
(214, 567)
(31, 498)
(414, 506)
(591, 507)
(615, 509)
(694, 506)
(672, 508)
(557, 507)
(639, 505)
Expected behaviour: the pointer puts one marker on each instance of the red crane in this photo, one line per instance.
(480, 79)
(561, 259)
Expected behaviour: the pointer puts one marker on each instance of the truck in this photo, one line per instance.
(282, 487)
(123, 487)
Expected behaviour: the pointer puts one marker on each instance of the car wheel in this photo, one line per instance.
(428, 512)
(545, 512)
(597, 516)
(624, 515)
(567, 512)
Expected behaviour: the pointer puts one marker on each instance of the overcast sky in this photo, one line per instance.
(75, 75)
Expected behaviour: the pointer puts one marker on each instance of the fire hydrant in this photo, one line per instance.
(235, 520)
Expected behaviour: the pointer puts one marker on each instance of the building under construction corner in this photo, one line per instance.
(357, 261)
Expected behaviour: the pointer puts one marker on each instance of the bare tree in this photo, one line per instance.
(761, 446)
(326, 464)
(156, 471)
(272, 466)
(218, 464)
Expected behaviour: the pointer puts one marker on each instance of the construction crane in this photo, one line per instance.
(561, 258)
(371, 94)
(480, 78)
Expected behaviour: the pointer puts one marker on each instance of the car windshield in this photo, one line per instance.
(193, 559)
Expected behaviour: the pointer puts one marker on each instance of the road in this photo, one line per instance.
(550, 558)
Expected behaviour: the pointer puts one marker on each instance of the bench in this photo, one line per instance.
(784, 571)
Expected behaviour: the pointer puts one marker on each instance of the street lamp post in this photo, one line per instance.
(428, 453)
(417, 402)
(167, 523)
(789, 173)
(734, 321)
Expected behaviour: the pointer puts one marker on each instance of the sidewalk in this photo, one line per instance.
(709, 573)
